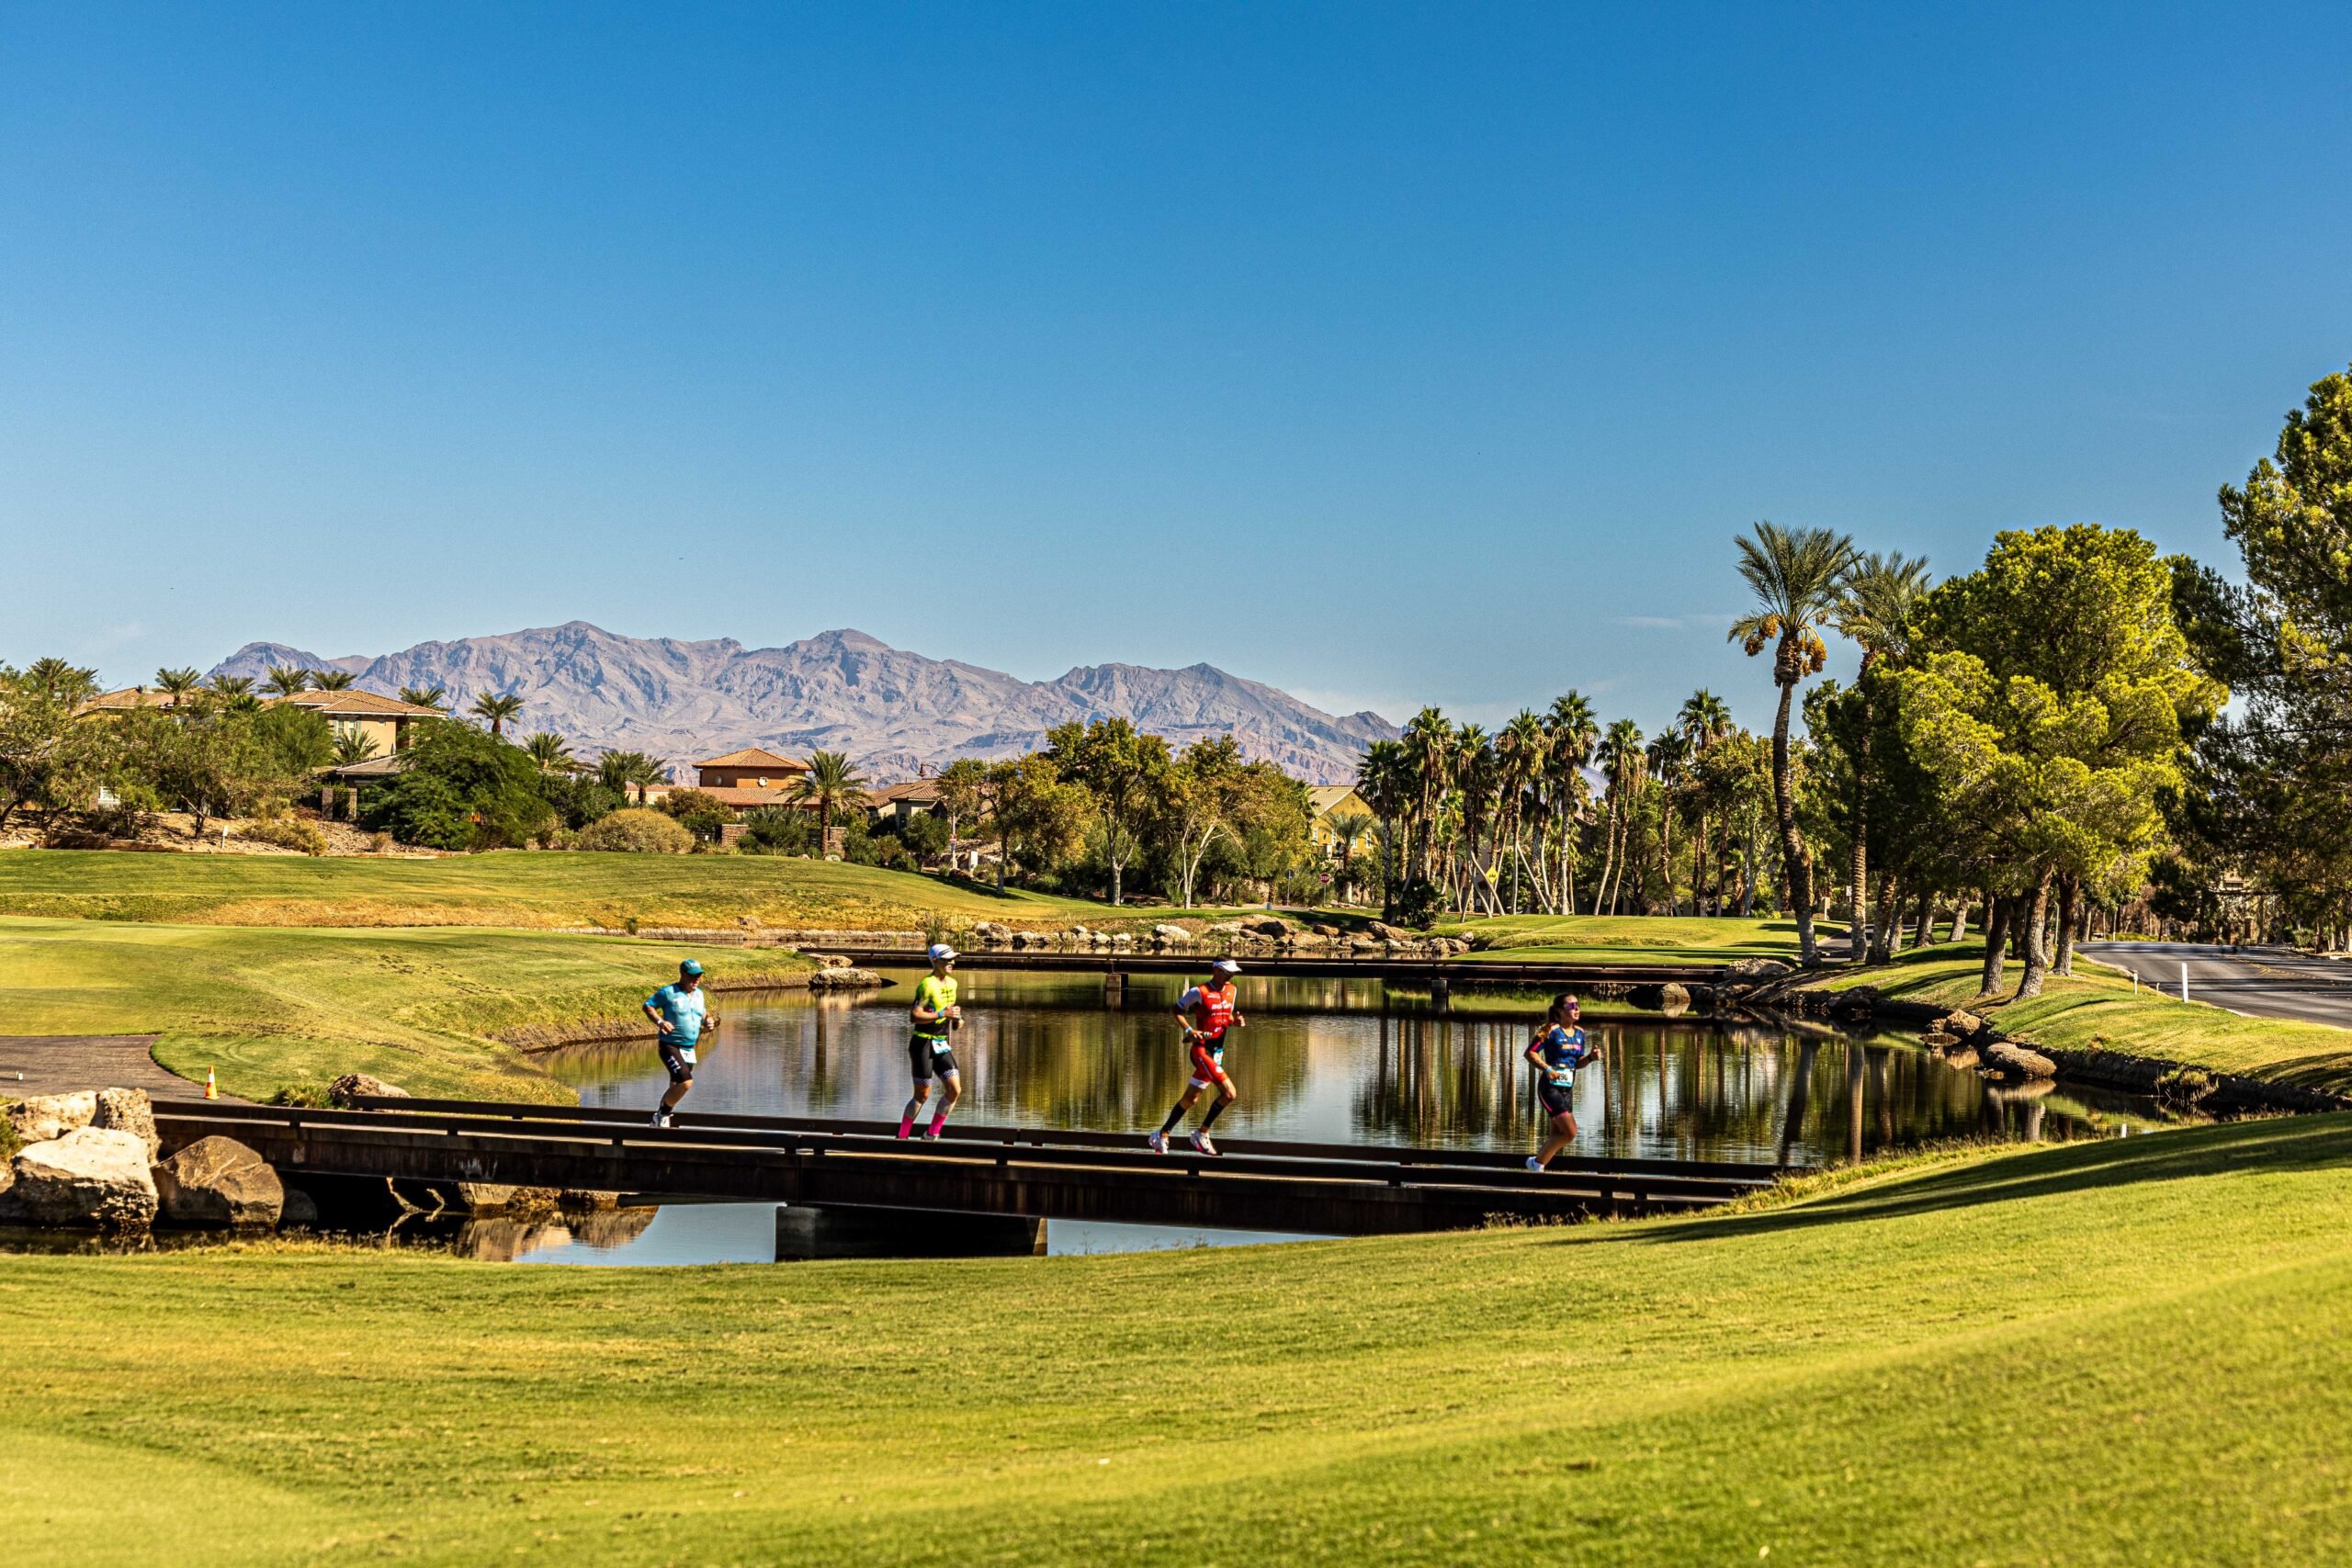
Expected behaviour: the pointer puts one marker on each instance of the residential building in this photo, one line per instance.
(382, 721)
(1327, 801)
(751, 768)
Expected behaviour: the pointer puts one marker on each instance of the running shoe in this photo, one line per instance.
(661, 1116)
(931, 1134)
(1158, 1141)
(1534, 1164)
(1200, 1143)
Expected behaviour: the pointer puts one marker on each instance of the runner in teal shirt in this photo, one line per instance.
(681, 1015)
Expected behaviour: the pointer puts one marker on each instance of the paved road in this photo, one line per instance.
(2261, 982)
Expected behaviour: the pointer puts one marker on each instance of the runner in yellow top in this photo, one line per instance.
(936, 1016)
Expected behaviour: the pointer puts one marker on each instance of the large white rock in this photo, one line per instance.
(46, 1116)
(219, 1181)
(92, 1175)
(128, 1110)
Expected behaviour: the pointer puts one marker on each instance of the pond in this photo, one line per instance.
(1333, 1061)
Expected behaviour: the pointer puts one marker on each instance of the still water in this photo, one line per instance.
(1330, 1061)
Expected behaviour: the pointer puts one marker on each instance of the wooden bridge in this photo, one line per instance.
(1318, 1189)
(1443, 972)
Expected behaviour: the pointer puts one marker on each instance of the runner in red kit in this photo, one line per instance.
(1207, 1012)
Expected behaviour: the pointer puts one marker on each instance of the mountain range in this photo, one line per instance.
(894, 712)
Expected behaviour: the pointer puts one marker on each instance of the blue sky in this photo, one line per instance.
(1390, 355)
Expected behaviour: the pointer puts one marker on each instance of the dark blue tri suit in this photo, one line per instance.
(1563, 1052)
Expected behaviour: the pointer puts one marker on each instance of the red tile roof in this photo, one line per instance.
(352, 703)
(755, 757)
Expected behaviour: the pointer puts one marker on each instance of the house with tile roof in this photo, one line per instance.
(751, 768)
(383, 721)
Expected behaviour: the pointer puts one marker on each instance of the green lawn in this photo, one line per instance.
(2126, 1352)
(271, 1008)
(1634, 938)
(516, 889)
(2097, 1009)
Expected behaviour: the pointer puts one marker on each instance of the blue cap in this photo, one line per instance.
(690, 967)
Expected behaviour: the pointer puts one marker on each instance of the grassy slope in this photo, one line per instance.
(2122, 1352)
(515, 889)
(1633, 938)
(271, 1008)
(2097, 1011)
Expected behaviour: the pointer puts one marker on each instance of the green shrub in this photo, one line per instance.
(288, 833)
(463, 789)
(778, 830)
(636, 831)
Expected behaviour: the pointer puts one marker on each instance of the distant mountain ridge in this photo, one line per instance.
(893, 711)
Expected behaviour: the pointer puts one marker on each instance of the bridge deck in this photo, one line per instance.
(1044, 1174)
(1453, 971)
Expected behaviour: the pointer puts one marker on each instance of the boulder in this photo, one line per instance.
(1319, 929)
(1673, 999)
(347, 1089)
(1383, 931)
(1758, 969)
(92, 1175)
(217, 1182)
(1961, 1024)
(300, 1212)
(12, 1208)
(1272, 926)
(586, 1199)
(1222, 928)
(2011, 1060)
(498, 1197)
(845, 978)
(44, 1117)
(1171, 933)
(128, 1110)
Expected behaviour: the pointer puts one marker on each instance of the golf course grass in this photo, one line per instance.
(513, 888)
(1620, 939)
(2121, 1352)
(2097, 1010)
(272, 1009)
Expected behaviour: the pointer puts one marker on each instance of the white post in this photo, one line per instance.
(2135, 982)
(2184, 982)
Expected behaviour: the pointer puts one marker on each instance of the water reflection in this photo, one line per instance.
(1349, 1061)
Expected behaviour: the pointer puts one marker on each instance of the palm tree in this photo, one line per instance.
(331, 680)
(1704, 719)
(1477, 779)
(284, 680)
(624, 770)
(423, 696)
(497, 710)
(234, 685)
(1669, 760)
(1428, 748)
(64, 683)
(1519, 754)
(1794, 574)
(1348, 827)
(548, 750)
(1874, 611)
(180, 683)
(1574, 730)
(351, 746)
(1385, 781)
(831, 779)
(1621, 761)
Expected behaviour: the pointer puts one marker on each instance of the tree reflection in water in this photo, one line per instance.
(1341, 1061)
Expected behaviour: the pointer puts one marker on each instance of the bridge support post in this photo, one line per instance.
(1441, 992)
(1114, 990)
(810, 1231)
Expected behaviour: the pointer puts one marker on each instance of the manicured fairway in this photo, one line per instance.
(271, 1008)
(1633, 938)
(2128, 1352)
(2097, 1009)
(513, 888)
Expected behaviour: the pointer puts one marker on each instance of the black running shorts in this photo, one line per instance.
(1559, 1099)
(929, 1057)
(680, 1062)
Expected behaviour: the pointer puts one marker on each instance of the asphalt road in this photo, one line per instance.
(2260, 982)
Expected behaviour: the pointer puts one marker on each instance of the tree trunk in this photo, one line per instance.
(2070, 893)
(1747, 870)
(1997, 944)
(2037, 948)
(1959, 919)
(1798, 893)
(1889, 939)
(1923, 930)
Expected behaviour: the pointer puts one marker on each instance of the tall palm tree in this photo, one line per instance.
(548, 750)
(1794, 574)
(1704, 719)
(1429, 746)
(1519, 754)
(1348, 827)
(1874, 608)
(284, 680)
(1573, 729)
(496, 709)
(331, 680)
(180, 683)
(1621, 761)
(1669, 758)
(624, 770)
(234, 685)
(1472, 768)
(1385, 781)
(62, 683)
(831, 779)
(423, 696)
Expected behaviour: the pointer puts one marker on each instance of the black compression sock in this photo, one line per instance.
(1173, 1117)
(1214, 1112)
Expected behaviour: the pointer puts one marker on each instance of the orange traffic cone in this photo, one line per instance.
(212, 1089)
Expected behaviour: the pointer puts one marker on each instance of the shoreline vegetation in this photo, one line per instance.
(2091, 1310)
